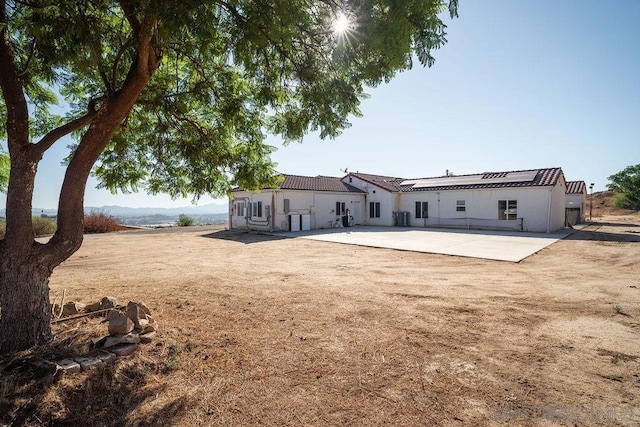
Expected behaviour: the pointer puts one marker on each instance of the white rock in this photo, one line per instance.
(119, 323)
(113, 340)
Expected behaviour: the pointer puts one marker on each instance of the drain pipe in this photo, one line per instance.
(549, 211)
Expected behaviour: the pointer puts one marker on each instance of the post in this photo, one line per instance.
(591, 201)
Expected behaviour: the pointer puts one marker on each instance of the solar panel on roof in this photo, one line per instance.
(511, 177)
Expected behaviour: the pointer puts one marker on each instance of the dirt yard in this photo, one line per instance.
(263, 330)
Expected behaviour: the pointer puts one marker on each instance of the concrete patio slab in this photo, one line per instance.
(488, 244)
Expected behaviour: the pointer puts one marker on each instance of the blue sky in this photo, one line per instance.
(520, 85)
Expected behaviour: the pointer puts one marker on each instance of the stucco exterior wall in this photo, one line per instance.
(481, 208)
(389, 203)
(577, 201)
(539, 209)
(245, 219)
(558, 197)
(320, 206)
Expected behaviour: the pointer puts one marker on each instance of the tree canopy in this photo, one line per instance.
(228, 73)
(627, 184)
(177, 97)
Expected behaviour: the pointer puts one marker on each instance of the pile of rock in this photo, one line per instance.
(127, 330)
(73, 308)
(131, 327)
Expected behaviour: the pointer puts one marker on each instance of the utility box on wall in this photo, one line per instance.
(305, 222)
(294, 222)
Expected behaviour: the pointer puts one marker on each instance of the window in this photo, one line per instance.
(507, 209)
(374, 209)
(341, 208)
(240, 209)
(257, 209)
(461, 206)
(422, 209)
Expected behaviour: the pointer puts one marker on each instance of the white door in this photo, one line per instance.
(357, 217)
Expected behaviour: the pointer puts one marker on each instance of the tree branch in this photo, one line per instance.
(49, 139)
(116, 63)
(130, 14)
(32, 49)
(106, 121)
(12, 89)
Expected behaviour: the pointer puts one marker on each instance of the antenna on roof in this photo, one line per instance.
(345, 170)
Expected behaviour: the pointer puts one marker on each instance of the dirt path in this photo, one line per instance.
(262, 330)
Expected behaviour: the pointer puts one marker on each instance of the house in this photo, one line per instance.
(575, 202)
(300, 203)
(526, 200)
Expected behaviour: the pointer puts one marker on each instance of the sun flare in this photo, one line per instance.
(341, 24)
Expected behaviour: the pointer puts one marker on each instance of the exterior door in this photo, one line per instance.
(357, 217)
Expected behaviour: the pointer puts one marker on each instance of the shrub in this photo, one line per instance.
(621, 200)
(43, 226)
(99, 222)
(184, 220)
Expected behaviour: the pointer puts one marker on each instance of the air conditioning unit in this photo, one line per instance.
(402, 219)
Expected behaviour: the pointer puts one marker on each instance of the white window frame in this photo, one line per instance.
(508, 211)
(256, 210)
(374, 210)
(422, 210)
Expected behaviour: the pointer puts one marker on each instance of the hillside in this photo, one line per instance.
(603, 206)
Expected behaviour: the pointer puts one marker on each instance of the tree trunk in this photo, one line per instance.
(25, 312)
(25, 265)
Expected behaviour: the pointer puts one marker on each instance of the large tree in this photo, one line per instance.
(627, 184)
(176, 97)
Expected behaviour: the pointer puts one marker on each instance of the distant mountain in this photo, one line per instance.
(211, 208)
(121, 211)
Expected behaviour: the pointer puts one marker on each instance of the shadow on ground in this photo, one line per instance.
(242, 236)
(34, 391)
(603, 236)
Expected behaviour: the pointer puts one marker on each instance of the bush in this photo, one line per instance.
(99, 222)
(43, 226)
(621, 200)
(184, 221)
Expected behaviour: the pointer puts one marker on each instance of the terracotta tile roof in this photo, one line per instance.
(539, 178)
(313, 183)
(576, 187)
(522, 178)
(389, 183)
(317, 183)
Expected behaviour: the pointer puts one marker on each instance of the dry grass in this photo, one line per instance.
(99, 222)
(262, 330)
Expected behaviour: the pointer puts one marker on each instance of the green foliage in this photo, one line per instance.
(617, 308)
(627, 184)
(43, 226)
(184, 221)
(99, 222)
(230, 73)
(4, 171)
(621, 200)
